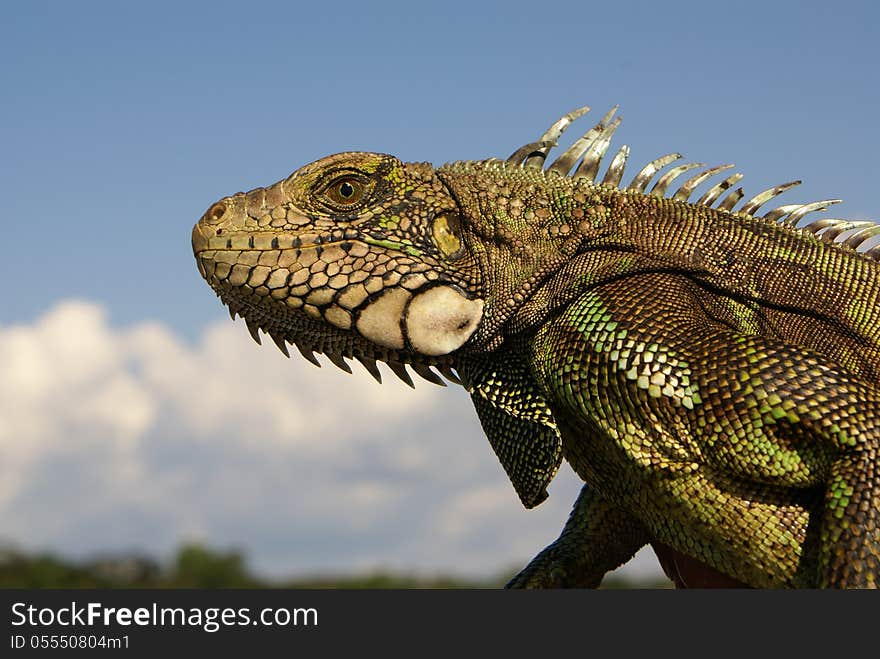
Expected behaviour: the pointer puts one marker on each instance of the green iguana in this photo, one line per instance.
(713, 375)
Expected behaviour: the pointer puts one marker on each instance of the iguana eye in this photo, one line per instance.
(345, 191)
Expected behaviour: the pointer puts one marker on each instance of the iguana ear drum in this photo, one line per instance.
(440, 320)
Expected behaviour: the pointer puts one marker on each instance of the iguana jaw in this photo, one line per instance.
(286, 325)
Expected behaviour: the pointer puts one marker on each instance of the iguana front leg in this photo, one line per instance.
(849, 551)
(597, 538)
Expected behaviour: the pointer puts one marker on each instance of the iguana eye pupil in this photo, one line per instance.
(345, 191)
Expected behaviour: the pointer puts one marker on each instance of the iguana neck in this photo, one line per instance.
(522, 227)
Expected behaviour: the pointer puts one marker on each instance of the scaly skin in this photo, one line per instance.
(713, 377)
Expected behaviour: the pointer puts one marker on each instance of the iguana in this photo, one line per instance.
(713, 375)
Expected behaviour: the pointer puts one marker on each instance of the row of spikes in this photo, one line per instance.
(591, 148)
(397, 367)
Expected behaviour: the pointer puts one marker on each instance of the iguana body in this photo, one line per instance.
(712, 376)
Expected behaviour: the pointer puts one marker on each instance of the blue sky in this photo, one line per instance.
(122, 122)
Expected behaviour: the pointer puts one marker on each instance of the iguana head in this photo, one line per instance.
(355, 255)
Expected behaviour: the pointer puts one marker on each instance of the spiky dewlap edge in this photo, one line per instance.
(259, 319)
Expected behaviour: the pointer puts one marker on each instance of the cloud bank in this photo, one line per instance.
(114, 439)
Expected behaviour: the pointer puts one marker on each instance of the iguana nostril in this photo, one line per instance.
(216, 212)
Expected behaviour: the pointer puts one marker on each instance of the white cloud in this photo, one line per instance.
(112, 439)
